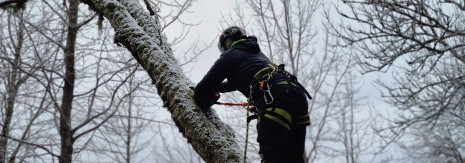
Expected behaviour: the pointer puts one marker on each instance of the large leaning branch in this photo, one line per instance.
(10, 2)
(213, 140)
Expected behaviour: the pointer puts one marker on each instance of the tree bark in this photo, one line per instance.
(66, 133)
(137, 31)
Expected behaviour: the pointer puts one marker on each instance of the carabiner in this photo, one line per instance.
(268, 91)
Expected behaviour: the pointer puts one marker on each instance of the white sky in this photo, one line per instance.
(208, 12)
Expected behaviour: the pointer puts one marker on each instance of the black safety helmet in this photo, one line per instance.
(234, 33)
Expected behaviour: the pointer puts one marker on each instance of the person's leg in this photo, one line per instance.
(297, 144)
(280, 138)
(274, 141)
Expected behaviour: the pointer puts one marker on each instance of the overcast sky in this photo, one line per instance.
(208, 12)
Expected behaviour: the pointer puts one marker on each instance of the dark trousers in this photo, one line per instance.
(277, 144)
(281, 143)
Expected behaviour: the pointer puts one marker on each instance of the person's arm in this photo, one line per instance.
(226, 87)
(206, 89)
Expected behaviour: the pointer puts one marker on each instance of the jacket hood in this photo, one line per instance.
(249, 45)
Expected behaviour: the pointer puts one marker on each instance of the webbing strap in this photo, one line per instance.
(278, 120)
(306, 115)
(283, 117)
(274, 68)
(264, 69)
(281, 112)
(280, 116)
(307, 122)
(238, 41)
(284, 82)
(303, 120)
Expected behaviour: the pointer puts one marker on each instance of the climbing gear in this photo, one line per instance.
(234, 33)
(262, 80)
(284, 118)
(267, 93)
(244, 104)
(249, 108)
(249, 101)
(265, 74)
(238, 41)
(246, 135)
(280, 116)
(303, 120)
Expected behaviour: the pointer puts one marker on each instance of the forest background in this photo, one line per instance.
(76, 79)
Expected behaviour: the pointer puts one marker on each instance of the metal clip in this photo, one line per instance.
(249, 100)
(268, 91)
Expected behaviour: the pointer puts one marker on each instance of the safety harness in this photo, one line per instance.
(262, 80)
(281, 116)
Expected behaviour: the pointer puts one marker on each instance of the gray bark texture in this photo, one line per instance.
(140, 34)
(66, 134)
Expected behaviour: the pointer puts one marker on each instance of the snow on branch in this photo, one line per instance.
(140, 34)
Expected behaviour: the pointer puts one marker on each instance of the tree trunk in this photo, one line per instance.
(12, 91)
(66, 133)
(137, 31)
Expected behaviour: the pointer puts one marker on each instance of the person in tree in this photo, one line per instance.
(280, 100)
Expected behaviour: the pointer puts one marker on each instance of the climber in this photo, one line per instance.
(280, 100)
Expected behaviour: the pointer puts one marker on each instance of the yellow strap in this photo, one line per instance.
(304, 119)
(238, 41)
(305, 122)
(281, 112)
(286, 82)
(306, 115)
(263, 69)
(276, 119)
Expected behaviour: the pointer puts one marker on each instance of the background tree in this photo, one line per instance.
(13, 39)
(46, 35)
(23, 54)
(78, 129)
(421, 43)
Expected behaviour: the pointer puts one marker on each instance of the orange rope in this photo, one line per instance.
(244, 104)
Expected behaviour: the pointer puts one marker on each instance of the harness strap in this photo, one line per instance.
(280, 116)
(281, 112)
(238, 41)
(259, 78)
(285, 119)
(285, 82)
(301, 87)
(303, 120)
(270, 67)
(279, 121)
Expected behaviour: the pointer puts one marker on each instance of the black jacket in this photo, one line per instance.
(238, 65)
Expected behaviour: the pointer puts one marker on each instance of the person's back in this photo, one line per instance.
(238, 65)
(278, 97)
